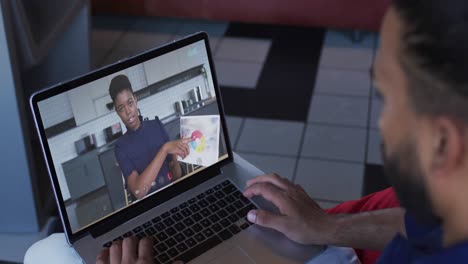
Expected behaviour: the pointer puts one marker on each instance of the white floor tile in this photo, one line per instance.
(283, 166)
(339, 110)
(238, 74)
(374, 154)
(334, 142)
(270, 137)
(243, 49)
(330, 180)
(347, 58)
(342, 82)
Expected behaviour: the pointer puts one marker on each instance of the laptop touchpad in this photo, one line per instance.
(233, 255)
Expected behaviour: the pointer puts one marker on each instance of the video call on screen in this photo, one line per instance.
(97, 144)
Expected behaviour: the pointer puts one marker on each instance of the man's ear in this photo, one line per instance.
(448, 145)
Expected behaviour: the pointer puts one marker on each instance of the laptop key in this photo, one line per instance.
(195, 208)
(170, 242)
(181, 247)
(186, 212)
(208, 232)
(211, 199)
(173, 252)
(156, 219)
(200, 237)
(221, 203)
(213, 208)
(140, 235)
(175, 210)
(230, 208)
(168, 221)
(205, 222)
(226, 182)
(222, 213)
(183, 205)
(214, 218)
(161, 236)
(192, 201)
(216, 227)
(128, 234)
(171, 231)
(244, 225)
(177, 217)
(161, 247)
(179, 237)
(229, 189)
(118, 238)
(188, 221)
(225, 234)
(234, 229)
(203, 203)
(233, 218)
(159, 226)
(218, 187)
(165, 215)
(205, 212)
(147, 224)
(190, 242)
(201, 196)
(150, 231)
(197, 217)
(229, 199)
(225, 223)
(210, 191)
(188, 232)
(163, 258)
(238, 204)
(197, 228)
(137, 229)
(179, 226)
(219, 194)
(199, 249)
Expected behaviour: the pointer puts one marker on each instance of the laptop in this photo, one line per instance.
(192, 204)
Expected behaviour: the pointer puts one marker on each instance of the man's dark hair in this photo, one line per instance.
(118, 84)
(434, 55)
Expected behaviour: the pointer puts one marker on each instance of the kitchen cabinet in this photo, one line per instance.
(91, 210)
(113, 178)
(83, 175)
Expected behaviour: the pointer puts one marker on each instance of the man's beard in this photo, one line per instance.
(404, 172)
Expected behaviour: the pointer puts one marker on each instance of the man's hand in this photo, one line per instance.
(129, 251)
(178, 147)
(300, 219)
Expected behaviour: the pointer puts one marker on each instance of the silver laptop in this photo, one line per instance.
(96, 151)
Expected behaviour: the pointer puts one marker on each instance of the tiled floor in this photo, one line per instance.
(329, 148)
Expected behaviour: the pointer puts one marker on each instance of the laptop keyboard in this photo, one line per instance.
(196, 225)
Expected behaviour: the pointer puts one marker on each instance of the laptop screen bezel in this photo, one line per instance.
(128, 213)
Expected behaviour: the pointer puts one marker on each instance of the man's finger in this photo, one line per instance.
(103, 257)
(115, 252)
(145, 249)
(270, 178)
(129, 250)
(267, 219)
(268, 191)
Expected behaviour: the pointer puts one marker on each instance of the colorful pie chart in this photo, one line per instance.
(198, 142)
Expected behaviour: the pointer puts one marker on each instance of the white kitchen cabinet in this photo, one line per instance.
(82, 104)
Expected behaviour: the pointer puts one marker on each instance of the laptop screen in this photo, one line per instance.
(119, 139)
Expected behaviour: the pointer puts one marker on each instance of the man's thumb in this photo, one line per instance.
(266, 219)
